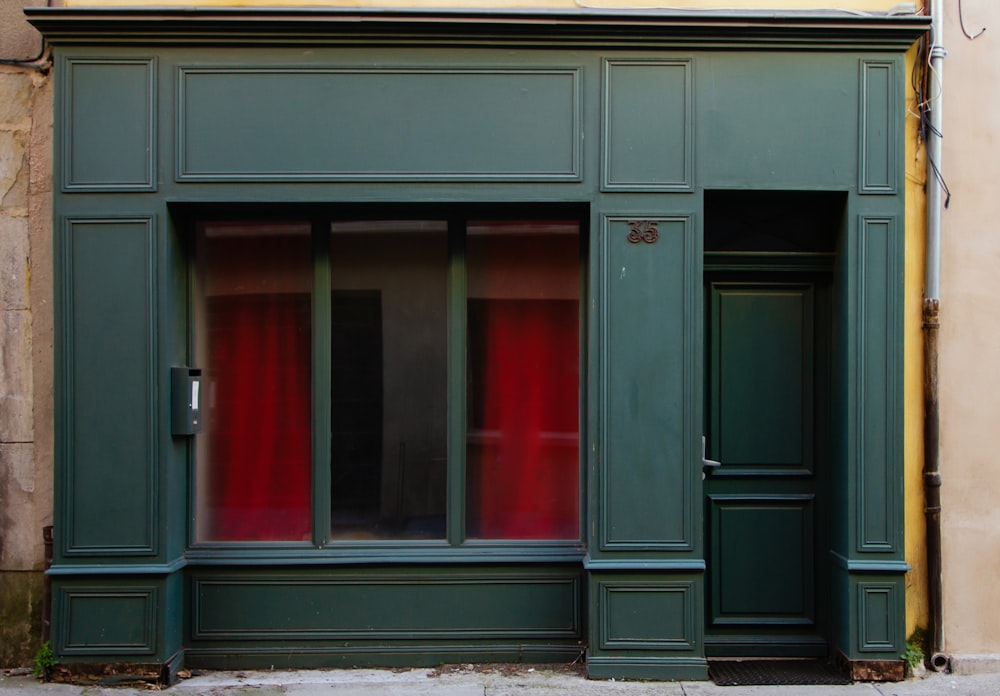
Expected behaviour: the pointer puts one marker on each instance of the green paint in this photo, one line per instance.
(626, 128)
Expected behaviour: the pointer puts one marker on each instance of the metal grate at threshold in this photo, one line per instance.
(774, 673)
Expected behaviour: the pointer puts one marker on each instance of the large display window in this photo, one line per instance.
(390, 360)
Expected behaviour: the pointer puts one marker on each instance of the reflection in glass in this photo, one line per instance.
(253, 326)
(522, 451)
(389, 379)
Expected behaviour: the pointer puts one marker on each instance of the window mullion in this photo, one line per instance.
(456, 381)
(321, 372)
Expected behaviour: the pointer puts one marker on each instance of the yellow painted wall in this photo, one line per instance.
(917, 611)
(916, 596)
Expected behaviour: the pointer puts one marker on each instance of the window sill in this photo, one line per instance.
(389, 553)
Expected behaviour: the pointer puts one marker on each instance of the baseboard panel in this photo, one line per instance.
(652, 668)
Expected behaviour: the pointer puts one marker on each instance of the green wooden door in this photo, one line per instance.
(765, 394)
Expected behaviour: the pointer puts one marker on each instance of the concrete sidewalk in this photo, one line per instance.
(481, 680)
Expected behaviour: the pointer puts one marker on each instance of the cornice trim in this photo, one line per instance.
(802, 30)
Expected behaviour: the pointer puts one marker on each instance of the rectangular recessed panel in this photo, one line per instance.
(762, 559)
(386, 607)
(108, 325)
(879, 272)
(876, 616)
(777, 120)
(108, 621)
(878, 130)
(648, 367)
(647, 125)
(108, 142)
(761, 398)
(647, 615)
(459, 124)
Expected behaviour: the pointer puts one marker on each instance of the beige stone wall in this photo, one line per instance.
(25, 336)
(969, 367)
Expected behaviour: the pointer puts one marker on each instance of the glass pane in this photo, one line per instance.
(523, 441)
(389, 379)
(254, 335)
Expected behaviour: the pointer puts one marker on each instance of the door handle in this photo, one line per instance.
(707, 464)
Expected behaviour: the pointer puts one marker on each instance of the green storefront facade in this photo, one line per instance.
(409, 337)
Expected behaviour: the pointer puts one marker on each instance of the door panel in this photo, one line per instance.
(761, 332)
(761, 377)
(762, 553)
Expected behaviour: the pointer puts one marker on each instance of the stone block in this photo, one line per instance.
(16, 402)
(975, 664)
(21, 546)
(14, 174)
(40, 144)
(15, 249)
(15, 98)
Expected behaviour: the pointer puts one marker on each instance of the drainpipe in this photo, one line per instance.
(931, 309)
(47, 592)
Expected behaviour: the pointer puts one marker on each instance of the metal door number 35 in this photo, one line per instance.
(642, 231)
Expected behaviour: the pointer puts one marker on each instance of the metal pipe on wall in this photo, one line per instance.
(931, 323)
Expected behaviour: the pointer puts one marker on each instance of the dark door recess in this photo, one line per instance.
(767, 337)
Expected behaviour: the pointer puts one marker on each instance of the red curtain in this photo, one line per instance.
(260, 421)
(528, 465)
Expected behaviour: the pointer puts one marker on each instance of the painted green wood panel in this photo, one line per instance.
(877, 606)
(761, 376)
(879, 128)
(878, 349)
(171, 279)
(873, 623)
(107, 619)
(355, 654)
(648, 369)
(648, 127)
(784, 120)
(387, 605)
(651, 614)
(768, 120)
(327, 124)
(109, 140)
(762, 556)
(646, 625)
(107, 321)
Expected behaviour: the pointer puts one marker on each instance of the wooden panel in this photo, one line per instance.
(761, 559)
(387, 606)
(761, 377)
(647, 137)
(877, 159)
(339, 124)
(776, 120)
(877, 617)
(108, 410)
(106, 620)
(108, 136)
(878, 355)
(648, 368)
(646, 615)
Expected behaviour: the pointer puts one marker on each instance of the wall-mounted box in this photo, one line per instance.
(185, 400)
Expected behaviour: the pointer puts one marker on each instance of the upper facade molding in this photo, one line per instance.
(790, 30)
